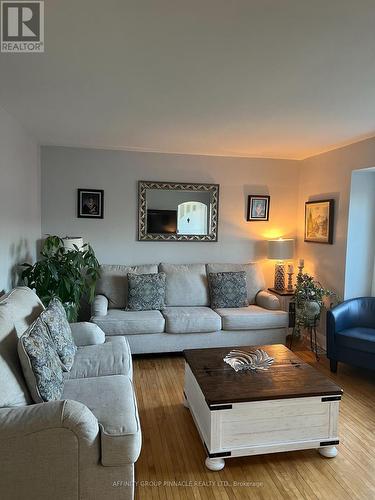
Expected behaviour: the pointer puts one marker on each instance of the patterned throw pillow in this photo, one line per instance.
(228, 289)
(55, 319)
(146, 292)
(40, 363)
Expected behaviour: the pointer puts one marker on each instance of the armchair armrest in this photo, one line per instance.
(99, 306)
(68, 414)
(85, 333)
(267, 300)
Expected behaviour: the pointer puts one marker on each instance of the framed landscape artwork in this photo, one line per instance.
(90, 203)
(258, 208)
(319, 221)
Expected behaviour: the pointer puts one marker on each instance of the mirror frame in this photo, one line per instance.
(176, 186)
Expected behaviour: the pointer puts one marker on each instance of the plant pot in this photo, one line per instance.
(312, 309)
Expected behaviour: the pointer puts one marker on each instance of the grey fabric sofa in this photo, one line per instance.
(81, 447)
(188, 321)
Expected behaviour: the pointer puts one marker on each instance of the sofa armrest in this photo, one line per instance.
(67, 414)
(267, 300)
(85, 333)
(46, 449)
(99, 307)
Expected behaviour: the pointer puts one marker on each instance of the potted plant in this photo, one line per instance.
(69, 275)
(309, 299)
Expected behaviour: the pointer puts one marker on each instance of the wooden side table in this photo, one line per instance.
(285, 297)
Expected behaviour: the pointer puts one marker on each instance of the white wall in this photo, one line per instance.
(361, 235)
(115, 237)
(20, 217)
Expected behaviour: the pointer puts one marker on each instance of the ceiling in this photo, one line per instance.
(266, 78)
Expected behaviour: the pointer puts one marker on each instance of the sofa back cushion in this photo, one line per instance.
(18, 310)
(186, 284)
(254, 276)
(113, 282)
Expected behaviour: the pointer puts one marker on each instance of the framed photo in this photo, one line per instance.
(258, 208)
(90, 203)
(319, 221)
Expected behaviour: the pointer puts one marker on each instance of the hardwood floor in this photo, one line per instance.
(171, 465)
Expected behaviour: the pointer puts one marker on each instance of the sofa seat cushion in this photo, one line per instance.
(360, 338)
(252, 318)
(118, 322)
(112, 400)
(191, 320)
(111, 358)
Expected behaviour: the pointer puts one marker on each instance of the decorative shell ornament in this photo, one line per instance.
(253, 360)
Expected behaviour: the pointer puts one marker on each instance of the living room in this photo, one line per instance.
(266, 111)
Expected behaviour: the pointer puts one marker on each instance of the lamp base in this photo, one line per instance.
(279, 276)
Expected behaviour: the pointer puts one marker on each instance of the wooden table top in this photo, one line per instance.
(288, 377)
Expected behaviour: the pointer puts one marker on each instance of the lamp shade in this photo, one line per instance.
(281, 249)
(70, 241)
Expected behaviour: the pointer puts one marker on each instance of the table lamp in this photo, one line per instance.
(70, 242)
(280, 250)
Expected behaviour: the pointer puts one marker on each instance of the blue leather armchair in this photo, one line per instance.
(351, 333)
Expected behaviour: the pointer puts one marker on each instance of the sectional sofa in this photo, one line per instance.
(188, 321)
(81, 447)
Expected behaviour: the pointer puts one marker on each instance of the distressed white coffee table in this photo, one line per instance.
(291, 406)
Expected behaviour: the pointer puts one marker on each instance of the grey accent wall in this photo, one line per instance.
(115, 237)
(324, 176)
(20, 218)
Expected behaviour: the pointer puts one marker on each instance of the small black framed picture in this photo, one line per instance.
(258, 208)
(90, 203)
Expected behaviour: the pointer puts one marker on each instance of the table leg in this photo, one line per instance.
(292, 338)
(316, 345)
(328, 451)
(215, 464)
(311, 338)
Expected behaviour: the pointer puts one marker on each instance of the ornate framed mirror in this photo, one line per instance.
(176, 211)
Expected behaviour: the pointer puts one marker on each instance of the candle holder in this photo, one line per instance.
(301, 265)
(290, 282)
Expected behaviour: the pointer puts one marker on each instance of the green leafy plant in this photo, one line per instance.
(69, 275)
(309, 298)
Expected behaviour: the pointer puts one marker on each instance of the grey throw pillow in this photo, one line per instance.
(61, 333)
(228, 289)
(146, 292)
(40, 363)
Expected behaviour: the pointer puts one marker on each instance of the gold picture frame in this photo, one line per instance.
(319, 217)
